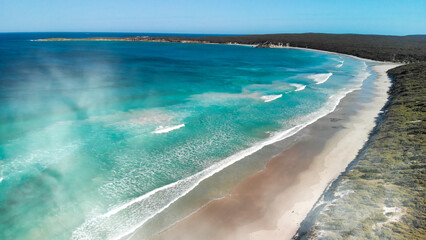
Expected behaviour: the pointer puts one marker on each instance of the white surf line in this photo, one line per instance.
(320, 78)
(166, 129)
(270, 98)
(220, 166)
(210, 171)
(1, 179)
(299, 87)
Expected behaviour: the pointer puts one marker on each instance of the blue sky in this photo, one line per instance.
(215, 16)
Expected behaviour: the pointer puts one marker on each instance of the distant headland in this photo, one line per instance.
(381, 192)
(376, 47)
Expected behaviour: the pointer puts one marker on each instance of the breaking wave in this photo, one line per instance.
(299, 87)
(166, 129)
(320, 78)
(270, 98)
(123, 220)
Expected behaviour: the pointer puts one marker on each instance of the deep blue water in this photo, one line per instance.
(98, 137)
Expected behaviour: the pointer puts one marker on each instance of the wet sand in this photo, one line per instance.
(271, 203)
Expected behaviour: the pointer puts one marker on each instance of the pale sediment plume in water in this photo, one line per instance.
(138, 168)
(127, 218)
(178, 189)
(320, 78)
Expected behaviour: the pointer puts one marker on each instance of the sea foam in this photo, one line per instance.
(299, 87)
(165, 129)
(320, 78)
(270, 98)
(123, 220)
(341, 61)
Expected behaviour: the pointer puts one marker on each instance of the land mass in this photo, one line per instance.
(381, 193)
(377, 47)
(272, 203)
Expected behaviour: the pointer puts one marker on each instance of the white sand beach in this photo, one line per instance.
(272, 203)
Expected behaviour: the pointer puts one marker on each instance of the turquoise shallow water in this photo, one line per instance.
(96, 138)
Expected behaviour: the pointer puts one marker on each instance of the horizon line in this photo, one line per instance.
(222, 34)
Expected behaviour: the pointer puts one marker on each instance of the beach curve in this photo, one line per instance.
(287, 222)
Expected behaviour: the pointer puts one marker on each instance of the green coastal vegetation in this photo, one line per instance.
(378, 47)
(382, 194)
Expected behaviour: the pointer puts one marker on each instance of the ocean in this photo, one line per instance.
(99, 138)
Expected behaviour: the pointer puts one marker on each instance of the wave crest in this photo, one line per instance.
(270, 98)
(299, 87)
(320, 78)
(165, 129)
(123, 220)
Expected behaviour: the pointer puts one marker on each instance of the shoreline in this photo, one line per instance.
(290, 221)
(161, 40)
(270, 230)
(401, 49)
(281, 209)
(164, 40)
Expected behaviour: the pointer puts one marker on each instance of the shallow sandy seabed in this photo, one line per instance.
(272, 203)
